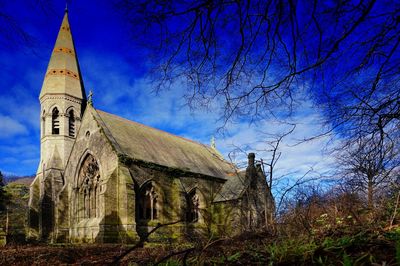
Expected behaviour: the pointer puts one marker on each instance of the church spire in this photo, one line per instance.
(63, 74)
(62, 101)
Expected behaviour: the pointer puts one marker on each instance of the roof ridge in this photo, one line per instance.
(160, 130)
(105, 127)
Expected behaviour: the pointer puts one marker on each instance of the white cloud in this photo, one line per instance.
(121, 93)
(118, 91)
(10, 127)
(25, 110)
(20, 99)
(297, 156)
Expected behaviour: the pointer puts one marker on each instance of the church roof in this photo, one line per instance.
(233, 187)
(63, 75)
(148, 144)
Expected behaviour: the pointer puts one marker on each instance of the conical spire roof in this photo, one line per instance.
(63, 75)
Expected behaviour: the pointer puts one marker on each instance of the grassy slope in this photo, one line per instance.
(356, 247)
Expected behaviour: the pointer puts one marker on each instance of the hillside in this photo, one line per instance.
(24, 180)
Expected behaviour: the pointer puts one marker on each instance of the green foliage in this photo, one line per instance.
(290, 249)
(398, 252)
(17, 203)
(393, 235)
(15, 190)
(171, 262)
(347, 261)
(345, 241)
(4, 197)
(321, 260)
(234, 257)
(361, 247)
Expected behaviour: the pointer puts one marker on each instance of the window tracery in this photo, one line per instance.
(193, 211)
(89, 188)
(149, 207)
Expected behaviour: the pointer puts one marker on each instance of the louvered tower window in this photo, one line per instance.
(71, 123)
(55, 122)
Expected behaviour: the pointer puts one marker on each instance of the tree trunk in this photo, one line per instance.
(370, 194)
(395, 209)
(7, 221)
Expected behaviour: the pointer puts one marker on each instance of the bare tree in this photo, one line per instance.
(284, 185)
(255, 55)
(367, 165)
(274, 149)
(13, 33)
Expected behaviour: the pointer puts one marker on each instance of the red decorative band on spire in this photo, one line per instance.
(66, 28)
(63, 50)
(62, 72)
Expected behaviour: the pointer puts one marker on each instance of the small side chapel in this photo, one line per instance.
(105, 179)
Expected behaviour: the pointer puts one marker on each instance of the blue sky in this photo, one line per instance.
(118, 73)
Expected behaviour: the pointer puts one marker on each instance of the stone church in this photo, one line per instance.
(105, 179)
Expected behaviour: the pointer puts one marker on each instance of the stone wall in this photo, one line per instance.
(173, 188)
(135, 196)
(70, 225)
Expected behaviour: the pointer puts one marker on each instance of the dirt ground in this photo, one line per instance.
(77, 255)
(354, 248)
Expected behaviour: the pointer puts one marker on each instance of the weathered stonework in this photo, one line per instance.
(105, 179)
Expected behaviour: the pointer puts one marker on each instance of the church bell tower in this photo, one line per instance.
(62, 101)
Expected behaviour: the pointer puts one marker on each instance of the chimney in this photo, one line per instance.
(251, 158)
(251, 173)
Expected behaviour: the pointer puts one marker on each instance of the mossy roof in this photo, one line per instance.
(233, 187)
(141, 142)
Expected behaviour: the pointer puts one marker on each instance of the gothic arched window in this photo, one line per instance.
(44, 124)
(148, 205)
(71, 123)
(193, 207)
(55, 122)
(89, 188)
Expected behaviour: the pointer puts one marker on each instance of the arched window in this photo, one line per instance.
(55, 122)
(148, 205)
(193, 207)
(89, 188)
(44, 124)
(71, 123)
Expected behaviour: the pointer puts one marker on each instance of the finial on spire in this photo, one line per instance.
(66, 6)
(213, 142)
(90, 98)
